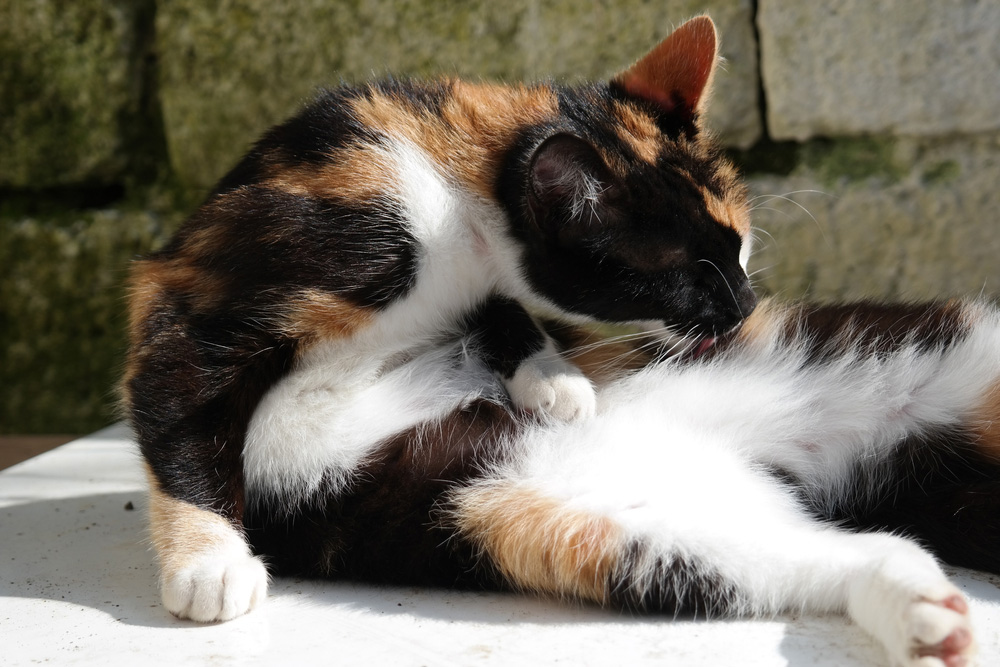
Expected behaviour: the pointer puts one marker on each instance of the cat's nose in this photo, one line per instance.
(746, 299)
(728, 305)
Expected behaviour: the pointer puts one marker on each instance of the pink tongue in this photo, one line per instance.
(703, 347)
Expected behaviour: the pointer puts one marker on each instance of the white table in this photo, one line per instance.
(78, 586)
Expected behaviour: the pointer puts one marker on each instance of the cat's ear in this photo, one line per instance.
(677, 74)
(570, 186)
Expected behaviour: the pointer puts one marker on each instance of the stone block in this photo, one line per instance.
(860, 67)
(890, 219)
(62, 314)
(229, 71)
(67, 78)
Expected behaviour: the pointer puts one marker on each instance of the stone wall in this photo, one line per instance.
(868, 131)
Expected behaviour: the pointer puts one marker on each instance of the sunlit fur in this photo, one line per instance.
(707, 485)
(332, 369)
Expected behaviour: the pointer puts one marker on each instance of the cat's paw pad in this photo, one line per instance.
(938, 631)
(216, 587)
(563, 395)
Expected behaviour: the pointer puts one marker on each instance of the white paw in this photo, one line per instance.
(554, 387)
(907, 602)
(215, 586)
(937, 631)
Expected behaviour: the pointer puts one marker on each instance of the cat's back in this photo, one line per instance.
(346, 144)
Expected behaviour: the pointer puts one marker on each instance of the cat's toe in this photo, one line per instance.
(939, 631)
(215, 588)
(574, 398)
(562, 396)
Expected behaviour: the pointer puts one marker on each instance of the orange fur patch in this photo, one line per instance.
(152, 279)
(181, 532)
(356, 174)
(317, 315)
(769, 323)
(208, 240)
(539, 543)
(476, 124)
(638, 131)
(732, 212)
(603, 360)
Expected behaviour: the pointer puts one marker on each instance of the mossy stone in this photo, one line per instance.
(66, 80)
(853, 159)
(946, 171)
(62, 312)
(851, 223)
(230, 70)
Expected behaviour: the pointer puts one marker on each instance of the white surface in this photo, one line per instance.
(78, 586)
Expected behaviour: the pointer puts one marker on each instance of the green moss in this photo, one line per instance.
(853, 159)
(941, 173)
(62, 314)
(67, 78)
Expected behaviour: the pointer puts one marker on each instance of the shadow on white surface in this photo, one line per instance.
(87, 551)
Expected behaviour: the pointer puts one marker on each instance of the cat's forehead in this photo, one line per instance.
(638, 131)
(645, 152)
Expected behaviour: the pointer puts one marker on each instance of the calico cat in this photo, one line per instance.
(332, 366)
(384, 216)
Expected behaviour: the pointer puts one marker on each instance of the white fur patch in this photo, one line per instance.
(745, 249)
(457, 237)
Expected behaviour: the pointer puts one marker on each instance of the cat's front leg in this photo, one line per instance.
(537, 377)
(207, 572)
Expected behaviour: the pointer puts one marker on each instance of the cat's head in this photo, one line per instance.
(627, 211)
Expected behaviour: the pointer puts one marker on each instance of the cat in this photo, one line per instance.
(332, 366)
(383, 216)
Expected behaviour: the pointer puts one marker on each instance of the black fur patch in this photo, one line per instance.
(674, 585)
(309, 137)
(506, 333)
(937, 489)
(387, 527)
(273, 244)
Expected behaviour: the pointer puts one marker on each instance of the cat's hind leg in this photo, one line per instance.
(706, 533)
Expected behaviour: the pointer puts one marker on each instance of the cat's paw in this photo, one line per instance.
(908, 603)
(553, 387)
(937, 631)
(215, 586)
